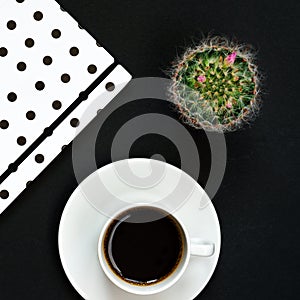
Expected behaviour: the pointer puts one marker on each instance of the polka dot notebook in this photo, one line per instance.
(47, 61)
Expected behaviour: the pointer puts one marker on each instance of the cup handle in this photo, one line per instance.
(198, 248)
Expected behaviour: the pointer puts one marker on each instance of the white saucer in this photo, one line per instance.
(81, 224)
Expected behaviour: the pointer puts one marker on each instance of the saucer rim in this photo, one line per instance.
(69, 203)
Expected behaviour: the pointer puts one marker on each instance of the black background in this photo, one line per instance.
(258, 201)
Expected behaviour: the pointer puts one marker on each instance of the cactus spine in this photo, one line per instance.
(216, 85)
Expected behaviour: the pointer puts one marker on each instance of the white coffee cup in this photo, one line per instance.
(192, 247)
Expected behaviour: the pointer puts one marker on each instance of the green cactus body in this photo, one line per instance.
(216, 86)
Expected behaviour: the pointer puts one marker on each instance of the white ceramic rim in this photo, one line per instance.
(152, 289)
(77, 285)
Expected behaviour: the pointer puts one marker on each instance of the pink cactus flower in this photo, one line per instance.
(201, 78)
(230, 59)
(229, 105)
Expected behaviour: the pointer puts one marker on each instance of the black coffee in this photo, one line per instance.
(140, 252)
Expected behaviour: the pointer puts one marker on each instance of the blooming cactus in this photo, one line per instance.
(230, 59)
(215, 86)
(201, 78)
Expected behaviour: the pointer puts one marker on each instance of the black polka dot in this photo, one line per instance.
(21, 140)
(21, 66)
(39, 158)
(74, 122)
(92, 69)
(4, 194)
(40, 85)
(38, 16)
(63, 147)
(4, 124)
(48, 131)
(83, 96)
(74, 51)
(12, 97)
(3, 52)
(28, 183)
(11, 25)
(56, 33)
(110, 86)
(12, 168)
(20, 1)
(47, 60)
(30, 115)
(29, 43)
(65, 78)
(56, 105)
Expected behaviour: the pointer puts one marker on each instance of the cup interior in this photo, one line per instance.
(145, 289)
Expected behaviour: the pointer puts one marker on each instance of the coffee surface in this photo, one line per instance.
(140, 252)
